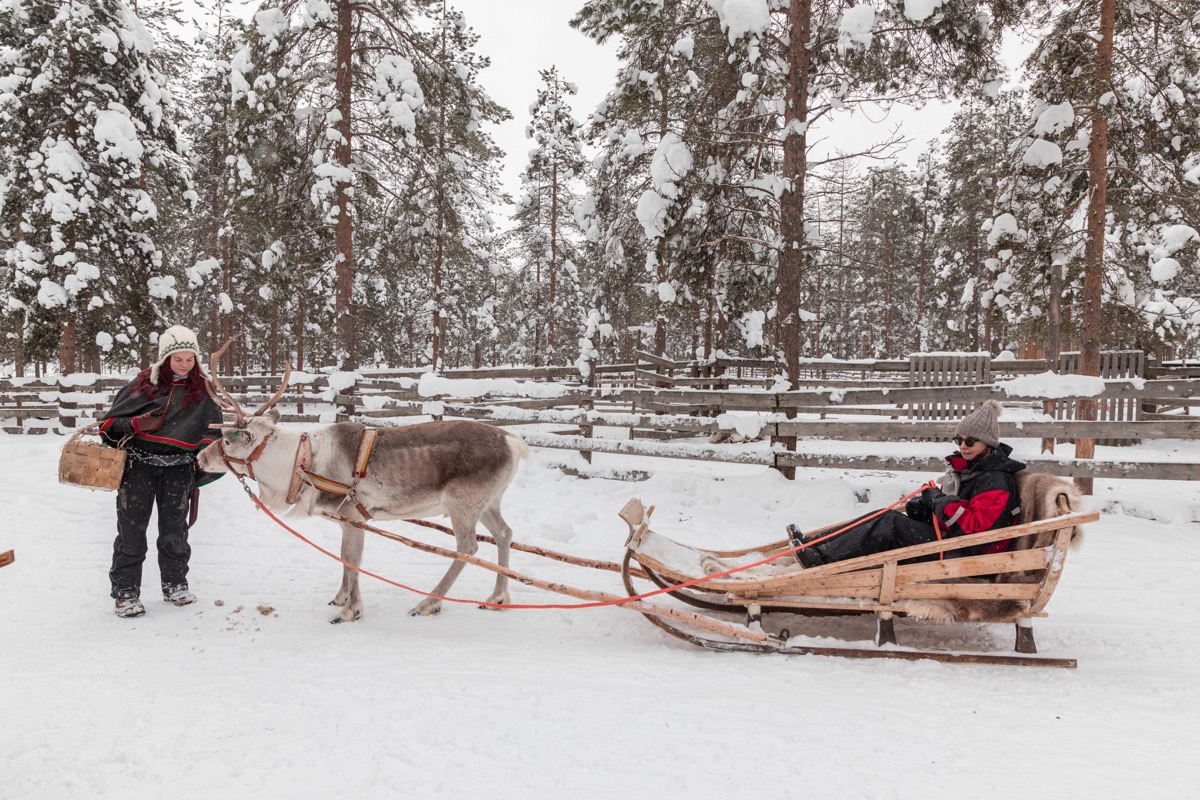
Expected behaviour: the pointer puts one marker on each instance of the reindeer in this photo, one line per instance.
(456, 468)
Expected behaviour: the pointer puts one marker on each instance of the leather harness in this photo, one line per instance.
(301, 474)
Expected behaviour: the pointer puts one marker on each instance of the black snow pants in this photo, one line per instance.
(143, 486)
(886, 532)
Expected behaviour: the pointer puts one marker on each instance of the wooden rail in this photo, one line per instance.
(847, 411)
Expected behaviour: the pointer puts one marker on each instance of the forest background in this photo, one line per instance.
(319, 180)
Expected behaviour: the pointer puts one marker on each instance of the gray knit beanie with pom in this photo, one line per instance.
(982, 424)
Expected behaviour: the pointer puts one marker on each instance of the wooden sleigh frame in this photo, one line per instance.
(1017, 583)
(1013, 586)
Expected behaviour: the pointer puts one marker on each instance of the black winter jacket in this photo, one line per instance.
(986, 497)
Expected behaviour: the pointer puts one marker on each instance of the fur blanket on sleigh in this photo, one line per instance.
(1038, 495)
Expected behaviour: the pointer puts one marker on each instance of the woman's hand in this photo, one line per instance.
(151, 421)
(919, 508)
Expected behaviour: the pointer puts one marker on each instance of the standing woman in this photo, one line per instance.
(978, 493)
(162, 418)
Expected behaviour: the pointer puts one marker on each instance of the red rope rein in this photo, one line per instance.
(547, 606)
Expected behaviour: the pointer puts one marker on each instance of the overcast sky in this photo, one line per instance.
(522, 37)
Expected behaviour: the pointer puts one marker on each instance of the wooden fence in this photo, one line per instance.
(609, 418)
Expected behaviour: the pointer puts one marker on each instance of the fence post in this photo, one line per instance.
(789, 443)
(589, 405)
(68, 411)
(344, 402)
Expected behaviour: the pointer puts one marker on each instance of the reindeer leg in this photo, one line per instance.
(464, 536)
(349, 597)
(499, 529)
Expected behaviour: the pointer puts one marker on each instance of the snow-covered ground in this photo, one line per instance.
(251, 693)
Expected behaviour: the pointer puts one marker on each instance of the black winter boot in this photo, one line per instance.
(128, 607)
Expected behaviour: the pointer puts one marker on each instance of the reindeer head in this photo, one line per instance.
(242, 441)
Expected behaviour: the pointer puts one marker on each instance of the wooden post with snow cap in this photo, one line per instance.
(344, 394)
(68, 411)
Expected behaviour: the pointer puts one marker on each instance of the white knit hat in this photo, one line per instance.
(175, 339)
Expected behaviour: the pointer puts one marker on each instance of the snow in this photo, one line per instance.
(747, 424)
(1003, 225)
(1054, 119)
(251, 693)
(1042, 153)
(740, 18)
(271, 23)
(397, 93)
(672, 161)
(115, 128)
(921, 10)
(1051, 386)
(652, 213)
(856, 26)
(432, 385)
(1177, 236)
(1165, 269)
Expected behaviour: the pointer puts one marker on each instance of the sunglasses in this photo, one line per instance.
(967, 440)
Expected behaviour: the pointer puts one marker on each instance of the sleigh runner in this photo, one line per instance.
(1012, 586)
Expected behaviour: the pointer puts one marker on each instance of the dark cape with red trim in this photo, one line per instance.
(186, 429)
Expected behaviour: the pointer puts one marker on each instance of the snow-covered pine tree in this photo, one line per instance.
(672, 230)
(544, 241)
(84, 121)
(819, 57)
(889, 226)
(351, 69)
(445, 231)
(836, 293)
(968, 296)
(1126, 80)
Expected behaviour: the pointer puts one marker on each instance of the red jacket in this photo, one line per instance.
(986, 498)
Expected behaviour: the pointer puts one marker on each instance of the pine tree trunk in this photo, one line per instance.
(344, 276)
(791, 259)
(66, 343)
(439, 246)
(216, 169)
(791, 224)
(1093, 254)
(922, 255)
(227, 264)
(274, 337)
(550, 339)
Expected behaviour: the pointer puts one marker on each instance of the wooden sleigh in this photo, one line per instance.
(1008, 587)
(1013, 586)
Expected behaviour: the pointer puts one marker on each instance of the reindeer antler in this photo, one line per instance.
(232, 406)
(287, 373)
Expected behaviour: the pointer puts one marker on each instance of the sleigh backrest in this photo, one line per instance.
(1042, 497)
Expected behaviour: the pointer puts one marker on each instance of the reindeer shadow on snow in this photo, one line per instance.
(460, 469)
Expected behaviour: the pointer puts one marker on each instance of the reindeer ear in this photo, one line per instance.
(273, 414)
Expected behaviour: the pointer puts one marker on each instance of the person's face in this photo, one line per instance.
(970, 448)
(182, 363)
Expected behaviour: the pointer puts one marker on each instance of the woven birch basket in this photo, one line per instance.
(90, 464)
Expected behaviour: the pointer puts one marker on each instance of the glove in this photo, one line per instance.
(151, 421)
(936, 499)
(919, 508)
(193, 507)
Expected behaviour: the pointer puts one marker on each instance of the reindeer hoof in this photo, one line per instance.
(501, 599)
(340, 618)
(426, 609)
